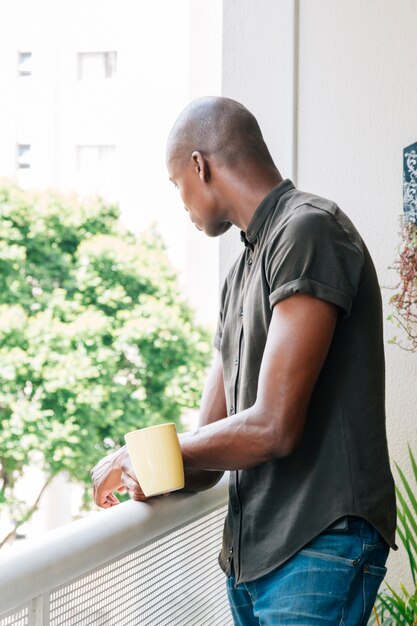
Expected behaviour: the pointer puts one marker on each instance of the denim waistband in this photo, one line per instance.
(348, 522)
(358, 525)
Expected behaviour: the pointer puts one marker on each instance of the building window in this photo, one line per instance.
(96, 170)
(24, 63)
(23, 156)
(96, 65)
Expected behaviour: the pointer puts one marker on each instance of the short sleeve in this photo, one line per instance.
(317, 254)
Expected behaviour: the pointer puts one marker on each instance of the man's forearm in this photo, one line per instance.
(249, 438)
(245, 440)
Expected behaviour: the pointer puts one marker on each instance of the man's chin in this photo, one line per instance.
(217, 229)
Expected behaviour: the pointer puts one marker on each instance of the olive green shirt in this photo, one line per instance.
(301, 243)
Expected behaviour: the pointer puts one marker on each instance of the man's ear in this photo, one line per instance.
(201, 166)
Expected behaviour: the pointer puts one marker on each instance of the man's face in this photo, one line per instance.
(198, 196)
(185, 179)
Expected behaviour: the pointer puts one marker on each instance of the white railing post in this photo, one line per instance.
(36, 612)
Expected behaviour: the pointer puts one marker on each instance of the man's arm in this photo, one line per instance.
(299, 338)
(115, 473)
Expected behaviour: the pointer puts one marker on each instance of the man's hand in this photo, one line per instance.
(115, 473)
(107, 478)
(130, 481)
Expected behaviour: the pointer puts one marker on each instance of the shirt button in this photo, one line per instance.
(231, 551)
(249, 261)
(241, 311)
(236, 509)
(237, 360)
(232, 410)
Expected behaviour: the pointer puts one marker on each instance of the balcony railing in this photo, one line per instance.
(132, 565)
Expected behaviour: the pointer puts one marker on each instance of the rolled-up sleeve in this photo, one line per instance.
(314, 254)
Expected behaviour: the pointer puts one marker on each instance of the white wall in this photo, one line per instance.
(257, 71)
(357, 111)
(354, 111)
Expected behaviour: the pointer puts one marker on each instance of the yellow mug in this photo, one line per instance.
(156, 457)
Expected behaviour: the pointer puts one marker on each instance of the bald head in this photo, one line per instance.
(221, 128)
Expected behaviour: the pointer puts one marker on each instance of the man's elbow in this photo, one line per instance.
(284, 439)
(201, 480)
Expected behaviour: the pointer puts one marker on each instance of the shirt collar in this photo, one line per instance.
(261, 213)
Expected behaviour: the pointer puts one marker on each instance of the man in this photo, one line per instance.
(294, 403)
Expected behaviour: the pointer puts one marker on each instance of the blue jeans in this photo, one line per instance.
(332, 581)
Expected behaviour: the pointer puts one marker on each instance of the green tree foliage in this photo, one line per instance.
(95, 338)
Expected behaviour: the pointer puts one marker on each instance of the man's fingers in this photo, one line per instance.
(129, 478)
(140, 497)
(106, 482)
(134, 488)
(106, 478)
(103, 501)
(104, 498)
(130, 483)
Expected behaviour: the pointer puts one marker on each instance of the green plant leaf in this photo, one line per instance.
(413, 462)
(408, 514)
(406, 542)
(407, 535)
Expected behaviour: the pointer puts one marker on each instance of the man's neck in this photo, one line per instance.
(246, 194)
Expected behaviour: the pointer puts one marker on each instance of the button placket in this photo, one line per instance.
(235, 505)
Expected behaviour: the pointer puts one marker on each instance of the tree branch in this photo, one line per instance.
(27, 515)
